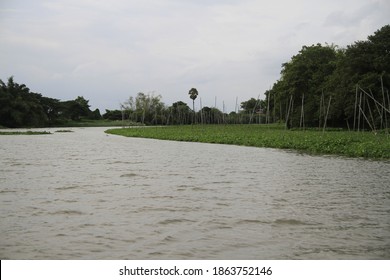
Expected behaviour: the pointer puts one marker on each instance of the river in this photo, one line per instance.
(89, 195)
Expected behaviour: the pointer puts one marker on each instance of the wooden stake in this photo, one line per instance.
(321, 106)
(372, 118)
(381, 105)
(302, 120)
(327, 112)
(364, 115)
(355, 107)
(360, 103)
(267, 116)
(288, 111)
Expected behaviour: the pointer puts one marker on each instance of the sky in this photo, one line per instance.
(229, 50)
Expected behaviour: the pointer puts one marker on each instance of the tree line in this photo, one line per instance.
(20, 107)
(324, 85)
(148, 109)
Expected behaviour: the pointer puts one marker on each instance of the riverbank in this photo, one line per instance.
(85, 123)
(96, 123)
(29, 132)
(345, 143)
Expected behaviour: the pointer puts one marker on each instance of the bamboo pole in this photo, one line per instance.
(381, 105)
(372, 118)
(267, 116)
(383, 112)
(302, 119)
(327, 112)
(379, 111)
(355, 107)
(321, 108)
(274, 110)
(364, 115)
(288, 111)
(223, 111)
(254, 108)
(236, 110)
(364, 109)
(201, 110)
(360, 103)
(388, 103)
(384, 102)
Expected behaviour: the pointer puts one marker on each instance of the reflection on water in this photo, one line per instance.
(88, 195)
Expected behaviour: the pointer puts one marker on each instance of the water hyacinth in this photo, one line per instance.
(335, 142)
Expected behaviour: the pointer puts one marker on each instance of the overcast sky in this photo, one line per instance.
(107, 51)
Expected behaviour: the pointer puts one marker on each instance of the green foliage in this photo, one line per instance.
(193, 93)
(179, 113)
(29, 132)
(19, 107)
(319, 73)
(352, 144)
(112, 115)
(145, 108)
(64, 131)
(250, 105)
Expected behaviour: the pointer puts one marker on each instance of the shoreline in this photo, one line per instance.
(342, 143)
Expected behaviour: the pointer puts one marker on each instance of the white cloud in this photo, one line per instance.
(108, 50)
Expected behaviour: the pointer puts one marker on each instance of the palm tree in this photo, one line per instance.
(193, 95)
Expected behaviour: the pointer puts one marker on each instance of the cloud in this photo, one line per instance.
(108, 50)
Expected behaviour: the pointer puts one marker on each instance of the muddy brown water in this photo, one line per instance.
(88, 195)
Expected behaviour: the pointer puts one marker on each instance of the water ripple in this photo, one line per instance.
(83, 195)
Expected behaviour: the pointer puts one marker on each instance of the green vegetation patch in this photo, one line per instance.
(351, 144)
(24, 132)
(64, 131)
(96, 123)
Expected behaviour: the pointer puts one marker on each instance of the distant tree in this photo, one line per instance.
(112, 115)
(212, 115)
(251, 105)
(20, 107)
(365, 64)
(303, 80)
(95, 115)
(149, 108)
(179, 113)
(193, 93)
(84, 106)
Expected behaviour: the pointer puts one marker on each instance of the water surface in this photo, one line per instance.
(88, 195)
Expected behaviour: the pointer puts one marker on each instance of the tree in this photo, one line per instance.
(20, 107)
(179, 113)
(303, 80)
(112, 115)
(249, 105)
(362, 65)
(149, 108)
(193, 95)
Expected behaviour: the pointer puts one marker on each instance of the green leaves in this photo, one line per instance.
(334, 72)
(193, 93)
(19, 107)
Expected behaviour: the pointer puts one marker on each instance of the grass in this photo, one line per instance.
(24, 132)
(335, 142)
